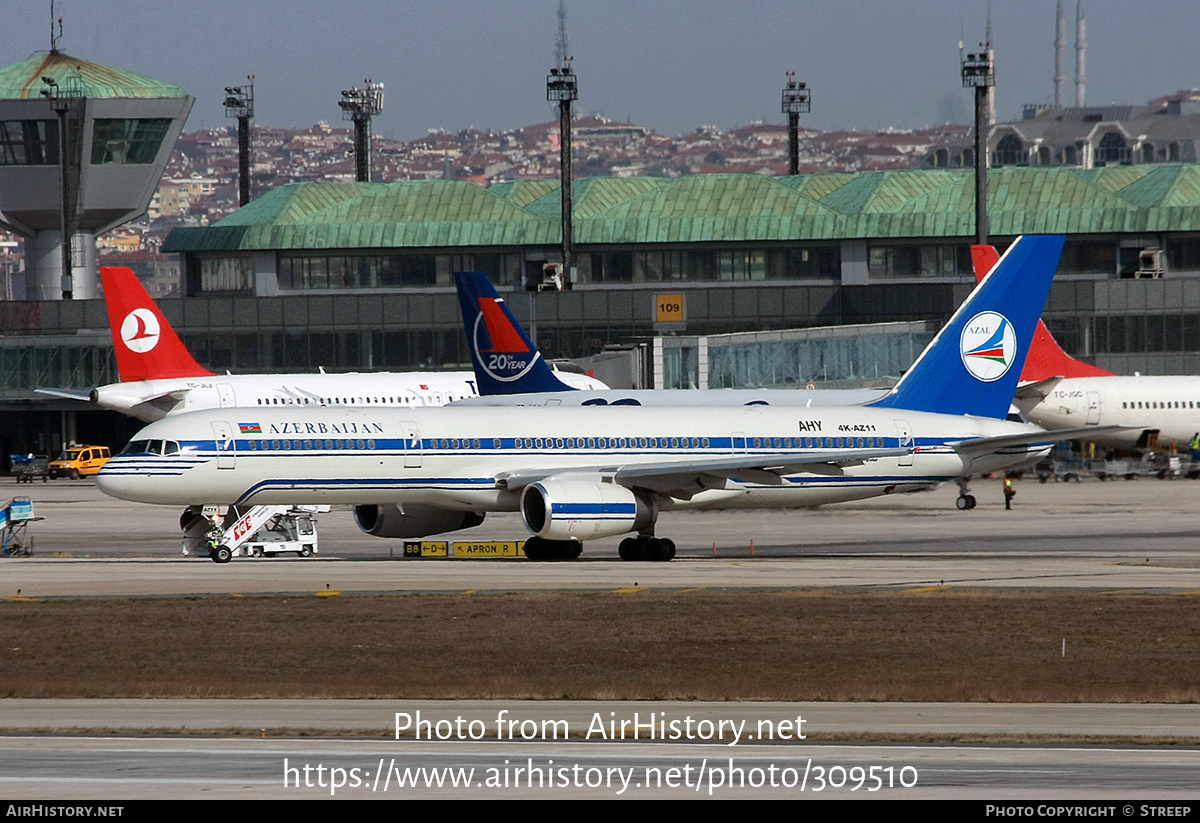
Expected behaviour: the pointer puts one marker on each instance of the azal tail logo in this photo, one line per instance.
(988, 345)
(498, 345)
(139, 331)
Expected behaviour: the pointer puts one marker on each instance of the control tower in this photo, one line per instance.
(88, 136)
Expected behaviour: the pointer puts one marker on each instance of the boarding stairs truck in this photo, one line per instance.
(224, 532)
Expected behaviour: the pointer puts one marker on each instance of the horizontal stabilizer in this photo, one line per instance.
(1040, 389)
(67, 394)
(987, 445)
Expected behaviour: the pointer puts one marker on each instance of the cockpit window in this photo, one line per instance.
(151, 447)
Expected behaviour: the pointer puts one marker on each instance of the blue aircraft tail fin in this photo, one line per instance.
(973, 364)
(506, 361)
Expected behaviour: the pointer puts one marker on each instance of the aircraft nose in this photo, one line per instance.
(115, 481)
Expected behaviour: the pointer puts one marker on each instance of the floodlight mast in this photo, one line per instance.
(66, 99)
(562, 88)
(239, 104)
(979, 73)
(796, 101)
(360, 105)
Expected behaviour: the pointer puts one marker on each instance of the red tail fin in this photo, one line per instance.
(504, 337)
(146, 346)
(1046, 358)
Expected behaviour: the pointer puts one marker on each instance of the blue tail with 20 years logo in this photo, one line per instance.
(505, 359)
(974, 363)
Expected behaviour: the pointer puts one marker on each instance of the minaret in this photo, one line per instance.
(1080, 55)
(991, 53)
(1060, 56)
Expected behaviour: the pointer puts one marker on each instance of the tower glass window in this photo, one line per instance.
(28, 143)
(128, 141)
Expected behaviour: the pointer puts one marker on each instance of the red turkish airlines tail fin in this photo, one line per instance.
(146, 346)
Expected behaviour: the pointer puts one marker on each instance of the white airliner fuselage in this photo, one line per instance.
(1168, 405)
(152, 400)
(481, 459)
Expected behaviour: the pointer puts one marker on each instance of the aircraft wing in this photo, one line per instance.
(67, 394)
(987, 445)
(666, 475)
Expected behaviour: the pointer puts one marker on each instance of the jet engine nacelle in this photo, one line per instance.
(413, 520)
(582, 510)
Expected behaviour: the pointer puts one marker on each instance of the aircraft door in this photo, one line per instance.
(412, 445)
(226, 450)
(225, 392)
(738, 442)
(904, 433)
(1093, 408)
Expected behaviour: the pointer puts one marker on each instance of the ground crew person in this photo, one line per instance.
(1009, 493)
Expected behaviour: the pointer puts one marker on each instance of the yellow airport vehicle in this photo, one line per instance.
(79, 461)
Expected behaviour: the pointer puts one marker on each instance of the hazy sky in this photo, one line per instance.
(671, 65)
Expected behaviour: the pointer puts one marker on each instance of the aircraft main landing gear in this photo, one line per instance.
(965, 500)
(645, 547)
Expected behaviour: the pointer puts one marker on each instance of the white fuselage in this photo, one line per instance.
(685, 397)
(459, 458)
(152, 400)
(1168, 405)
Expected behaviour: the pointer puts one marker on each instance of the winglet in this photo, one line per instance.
(146, 346)
(1046, 358)
(973, 364)
(506, 361)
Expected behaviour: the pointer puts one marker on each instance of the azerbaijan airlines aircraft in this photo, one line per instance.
(1058, 391)
(160, 377)
(582, 473)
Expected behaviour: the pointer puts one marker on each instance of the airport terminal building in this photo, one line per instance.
(359, 276)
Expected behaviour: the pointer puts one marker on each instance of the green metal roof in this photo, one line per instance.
(707, 208)
(23, 80)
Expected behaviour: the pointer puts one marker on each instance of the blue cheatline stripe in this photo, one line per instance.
(593, 508)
